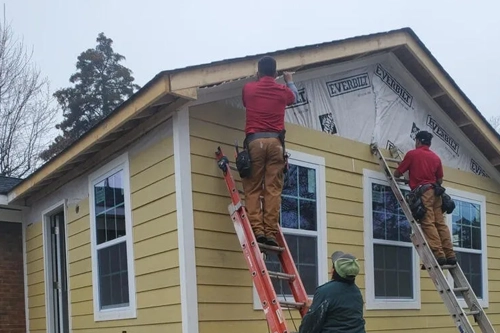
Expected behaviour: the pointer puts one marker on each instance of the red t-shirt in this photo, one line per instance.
(265, 102)
(424, 165)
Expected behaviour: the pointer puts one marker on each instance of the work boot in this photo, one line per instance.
(441, 261)
(272, 241)
(451, 261)
(261, 239)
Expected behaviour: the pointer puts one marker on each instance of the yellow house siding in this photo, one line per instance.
(224, 284)
(36, 277)
(155, 249)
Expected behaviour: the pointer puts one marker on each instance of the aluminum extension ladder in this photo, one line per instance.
(254, 254)
(430, 263)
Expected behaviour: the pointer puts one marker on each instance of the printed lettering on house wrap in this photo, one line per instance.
(348, 84)
(442, 134)
(301, 100)
(476, 168)
(392, 83)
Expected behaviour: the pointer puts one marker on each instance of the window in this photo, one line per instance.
(303, 222)
(391, 262)
(112, 253)
(468, 227)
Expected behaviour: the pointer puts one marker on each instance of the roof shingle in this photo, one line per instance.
(7, 183)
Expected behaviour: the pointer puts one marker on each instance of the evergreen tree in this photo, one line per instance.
(101, 84)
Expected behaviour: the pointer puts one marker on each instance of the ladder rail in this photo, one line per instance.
(255, 262)
(434, 269)
(296, 286)
(471, 299)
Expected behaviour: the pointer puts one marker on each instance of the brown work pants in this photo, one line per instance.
(434, 226)
(268, 163)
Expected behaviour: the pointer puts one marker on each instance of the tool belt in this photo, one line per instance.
(414, 199)
(243, 160)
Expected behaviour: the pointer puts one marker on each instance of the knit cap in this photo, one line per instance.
(346, 265)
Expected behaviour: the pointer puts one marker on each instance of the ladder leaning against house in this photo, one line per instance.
(253, 253)
(431, 265)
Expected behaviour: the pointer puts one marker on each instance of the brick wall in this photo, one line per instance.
(12, 317)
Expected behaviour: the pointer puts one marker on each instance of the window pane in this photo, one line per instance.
(466, 225)
(307, 183)
(289, 213)
(389, 221)
(307, 215)
(471, 264)
(304, 252)
(290, 187)
(393, 271)
(113, 276)
(298, 202)
(110, 208)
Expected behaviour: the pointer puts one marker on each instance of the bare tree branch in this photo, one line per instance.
(495, 122)
(26, 115)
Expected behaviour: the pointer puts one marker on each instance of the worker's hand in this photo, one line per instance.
(308, 303)
(287, 76)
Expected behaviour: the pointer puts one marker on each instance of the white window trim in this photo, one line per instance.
(119, 163)
(317, 163)
(481, 201)
(370, 176)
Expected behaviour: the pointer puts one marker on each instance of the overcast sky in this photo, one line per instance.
(156, 35)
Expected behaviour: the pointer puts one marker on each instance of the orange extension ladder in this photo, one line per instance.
(254, 254)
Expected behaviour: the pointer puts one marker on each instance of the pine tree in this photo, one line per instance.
(101, 84)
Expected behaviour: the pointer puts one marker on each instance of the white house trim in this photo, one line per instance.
(25, 277)
(68, 282)
(233, 89)
(481, 200)
(371, 302)
(185, 221)
(119, 163)
(57, 207)
(317, 163)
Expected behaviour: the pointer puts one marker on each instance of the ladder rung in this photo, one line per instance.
(448, 267)
(271, 248)
(293, 305)
(461, 289)
(472, 313)
(282, 276)
(393, 160)
(233, 168)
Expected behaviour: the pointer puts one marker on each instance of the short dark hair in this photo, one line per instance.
(424, 138)
(267, 66)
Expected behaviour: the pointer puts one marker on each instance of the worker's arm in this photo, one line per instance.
(291, 98)
(314, 319)
(404, 165)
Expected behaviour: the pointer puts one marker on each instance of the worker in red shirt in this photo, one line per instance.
(265, 101)
(426, 170)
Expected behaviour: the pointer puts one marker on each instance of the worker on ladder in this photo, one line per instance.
(337, 305)
(426, 176)
(262, 162)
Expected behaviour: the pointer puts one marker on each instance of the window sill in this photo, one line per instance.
(115, 314)
(393, 305)
(258, 306)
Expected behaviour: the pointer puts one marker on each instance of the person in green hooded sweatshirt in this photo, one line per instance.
(337, 306)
